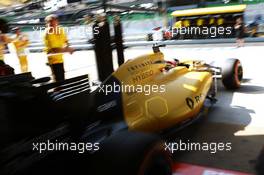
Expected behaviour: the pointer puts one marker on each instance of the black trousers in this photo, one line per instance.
(2, 62)
(58, 71)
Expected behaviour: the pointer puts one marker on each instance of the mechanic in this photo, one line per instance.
(176, 27)
(240, 32)
(89, 22)
(21, 42)
(56, 43)
(178, 24)
(220, 23)
(186, 24)
(200, 23)
(4, 40)
(2, 48)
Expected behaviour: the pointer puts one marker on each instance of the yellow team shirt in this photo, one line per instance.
(55, 39)
(186, 23)
(20, 43)
(212, 21)
(220, 21)
(178, 24)
(3, 41)
(2, 47)
(200, 22)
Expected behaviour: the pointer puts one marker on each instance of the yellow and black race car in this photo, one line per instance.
(65, 128)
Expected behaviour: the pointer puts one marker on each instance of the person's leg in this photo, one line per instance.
(58, 72)
(237, 42)
(23, 63)
(53, 71)
(61, 72)
(242, 42)
(2, 62)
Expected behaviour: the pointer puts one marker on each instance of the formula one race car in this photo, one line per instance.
(65, 128)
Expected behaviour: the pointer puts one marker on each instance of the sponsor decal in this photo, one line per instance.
(142, 76)
(191, 101)
(107, 106)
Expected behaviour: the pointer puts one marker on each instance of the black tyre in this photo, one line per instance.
(232, 73)
(132, 153)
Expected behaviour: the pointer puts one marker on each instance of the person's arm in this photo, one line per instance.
(67, 48)
(6, 39)
(46, 44)
(245, 29)
(236, 26)
(61, 50)
(25, 42)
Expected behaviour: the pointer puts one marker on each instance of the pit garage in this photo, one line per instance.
(208, 119)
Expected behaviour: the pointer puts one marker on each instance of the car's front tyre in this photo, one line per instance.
(232, 73)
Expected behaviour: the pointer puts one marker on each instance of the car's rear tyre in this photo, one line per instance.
(133, 153)
(232, 73)
(156, 162)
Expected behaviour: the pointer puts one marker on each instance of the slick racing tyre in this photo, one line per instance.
(133, 153)
(232, 73)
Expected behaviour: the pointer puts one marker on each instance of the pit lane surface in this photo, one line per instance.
(237, 117)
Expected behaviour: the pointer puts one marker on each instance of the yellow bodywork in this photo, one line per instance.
(210, 10)
(181, 98)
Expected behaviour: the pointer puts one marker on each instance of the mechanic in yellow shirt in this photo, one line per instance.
(220, 21)
(4, 40)
(211, 21)
(200, 22)
(21, 42)
(186, 23)
(2, 47)
(177, 25)
(56, 43)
